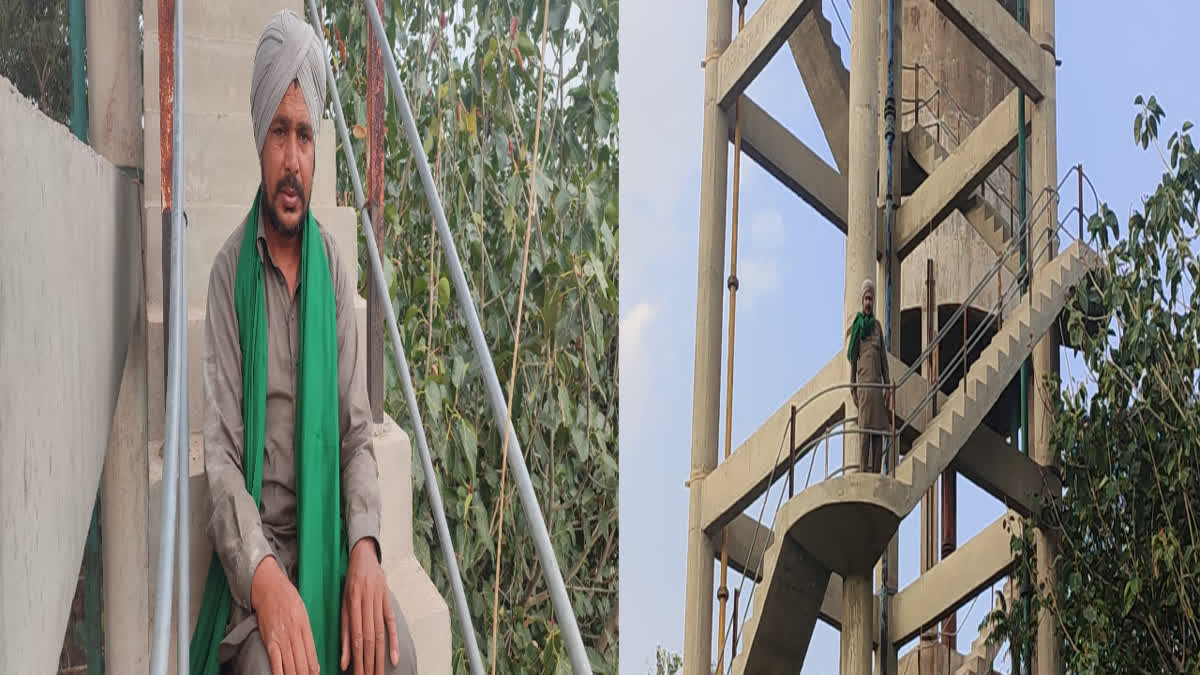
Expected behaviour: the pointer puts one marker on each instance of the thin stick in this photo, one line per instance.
(512, 379)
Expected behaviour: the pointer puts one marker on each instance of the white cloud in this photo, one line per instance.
(766, 230)
(757, 276)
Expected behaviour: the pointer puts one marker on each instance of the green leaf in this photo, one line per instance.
(470, 446)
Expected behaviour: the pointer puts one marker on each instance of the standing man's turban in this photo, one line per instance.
(289, 50)
(868, 284)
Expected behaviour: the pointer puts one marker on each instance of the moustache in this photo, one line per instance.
(290, 181)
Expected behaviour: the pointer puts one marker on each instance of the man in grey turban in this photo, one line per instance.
(868, 364)
(288, 448)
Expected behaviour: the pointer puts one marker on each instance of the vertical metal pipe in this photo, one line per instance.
(79, 109)
(176, 385)
(376, 304)
(792, 454)
(949, 543)
(1079, 170)
(1024, 231)
(183, 619)
(529, 502)
(889, 136)
(737, 600)
(435, 496)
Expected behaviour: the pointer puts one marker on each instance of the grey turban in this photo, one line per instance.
(288, 50)
(868, 284)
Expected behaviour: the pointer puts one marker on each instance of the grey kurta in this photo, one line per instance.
(243, 534)
(871, 367)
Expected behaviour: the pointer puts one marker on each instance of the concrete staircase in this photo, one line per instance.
(801, 556)
(827, 80)
(222, 174)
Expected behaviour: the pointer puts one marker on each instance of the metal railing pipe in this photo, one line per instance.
(435, 495)
(533, 514)
(176, 386)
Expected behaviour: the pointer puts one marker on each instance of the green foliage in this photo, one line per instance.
(470, 71)
(34, 53)
(666, 663)
(1127, 592)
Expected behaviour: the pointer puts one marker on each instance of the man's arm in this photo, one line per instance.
(854, 381)
(360, 473)
(235, 526)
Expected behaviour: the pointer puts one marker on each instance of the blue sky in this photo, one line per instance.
(791, 264)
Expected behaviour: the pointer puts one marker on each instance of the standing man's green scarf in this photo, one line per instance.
(322, 546)
(860, 329)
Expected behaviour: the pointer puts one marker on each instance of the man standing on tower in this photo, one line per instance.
(868, 365)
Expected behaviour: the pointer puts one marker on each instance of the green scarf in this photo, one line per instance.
(861, 328)
(322, 543)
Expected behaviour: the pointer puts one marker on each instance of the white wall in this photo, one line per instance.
(70, 282)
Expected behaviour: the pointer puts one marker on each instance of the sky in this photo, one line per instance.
(791, 265)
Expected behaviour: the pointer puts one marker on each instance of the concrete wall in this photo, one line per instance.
(70, 285)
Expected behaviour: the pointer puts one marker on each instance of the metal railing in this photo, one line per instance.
(963, 124)
(1042, 247)
(174, 535)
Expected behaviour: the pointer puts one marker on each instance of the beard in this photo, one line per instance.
(274, 221)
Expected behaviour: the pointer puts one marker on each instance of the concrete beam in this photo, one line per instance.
(819, 60)
(948, 584)
(747, 540)
(1004, 41)
(962, 171)
(749, 52)
(739, 480)
(791, 162)
(1003, 472)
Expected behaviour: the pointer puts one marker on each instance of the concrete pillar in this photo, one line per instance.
(861, 209)
(714, 167)
(857, 620)
(115, 131)
(125, 511)
(114, 81)
(1044, 159)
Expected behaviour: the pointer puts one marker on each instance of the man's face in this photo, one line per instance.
(869, 302)
(287, 164)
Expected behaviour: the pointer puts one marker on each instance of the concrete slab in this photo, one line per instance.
(754, 45)
(209, 226)
(221, 161)
(998, 35)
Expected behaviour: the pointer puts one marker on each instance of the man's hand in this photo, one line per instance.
(367, 613)
(282, 621)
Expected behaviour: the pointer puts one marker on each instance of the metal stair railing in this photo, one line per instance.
(932, 106)
(533, 515)
(175, 506)
(1046, 244)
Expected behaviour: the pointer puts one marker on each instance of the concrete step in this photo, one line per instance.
(221, 161)
(424, 609)
(216, 71)
(156, 370)
(209, 226)
(223, 18)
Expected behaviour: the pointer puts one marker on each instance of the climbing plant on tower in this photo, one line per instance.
(1128, 438)
(470, 70)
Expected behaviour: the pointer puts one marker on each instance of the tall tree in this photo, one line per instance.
(470, 70)
(1129, 440)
